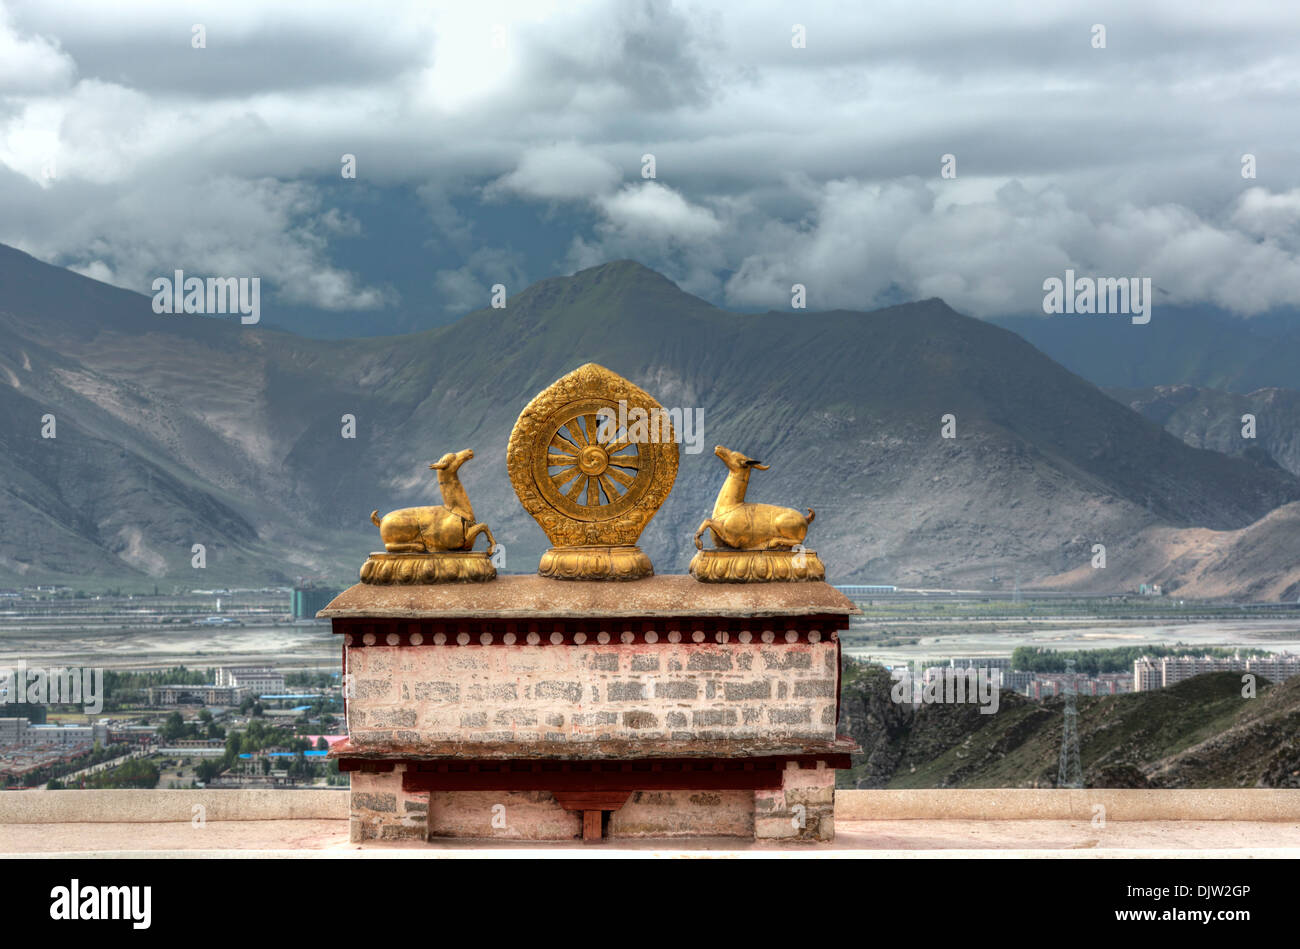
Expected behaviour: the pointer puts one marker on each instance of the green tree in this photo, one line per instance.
(137, 773)
(172, 728)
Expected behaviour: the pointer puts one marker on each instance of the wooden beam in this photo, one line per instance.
(603, 776)
(592, 800)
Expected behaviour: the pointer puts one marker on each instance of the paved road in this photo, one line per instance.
(102, 766)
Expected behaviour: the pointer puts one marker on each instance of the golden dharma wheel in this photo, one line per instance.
(591, 470)
(592, 458)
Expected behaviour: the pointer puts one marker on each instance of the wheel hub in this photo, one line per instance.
(593, 460)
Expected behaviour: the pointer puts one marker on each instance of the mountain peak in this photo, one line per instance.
(612, 292)
(620, 276)
(625, 268)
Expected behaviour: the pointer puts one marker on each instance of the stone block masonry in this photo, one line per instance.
(803, 809)
(404, 697)
(381, 810)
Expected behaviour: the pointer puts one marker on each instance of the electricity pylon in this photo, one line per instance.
(1070, 774)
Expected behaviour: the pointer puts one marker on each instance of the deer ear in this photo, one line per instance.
(759, 465)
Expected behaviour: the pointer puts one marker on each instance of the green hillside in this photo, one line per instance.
(1200, 733)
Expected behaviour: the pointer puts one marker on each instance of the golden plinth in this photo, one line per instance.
(589, 481)
(757, 566)
(595, 563)
(448, 566)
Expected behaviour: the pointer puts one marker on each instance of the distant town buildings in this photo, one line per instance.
(195, 695)
(20, 732)
(1017, 681)
(1148, 673)
(28, 749)
(866, 589)
(1159, 673)
(256, 679)
(1045, 685)
(980, 662)
(307, 600)
(1276, 668)
(1034, 685)
(230, 686)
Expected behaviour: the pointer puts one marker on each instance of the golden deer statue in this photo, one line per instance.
(449, 526)
(737, 525)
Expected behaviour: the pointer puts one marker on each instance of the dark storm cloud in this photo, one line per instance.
(774, 164)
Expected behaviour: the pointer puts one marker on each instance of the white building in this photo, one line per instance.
(1276, 668)
(254, 680)
(1149, 673)
(20, 732)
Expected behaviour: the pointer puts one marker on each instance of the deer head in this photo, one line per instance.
(736, 462)
(453, 493)
(452, 461)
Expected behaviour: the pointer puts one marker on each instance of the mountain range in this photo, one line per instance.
(1204, 346)
(179, 430)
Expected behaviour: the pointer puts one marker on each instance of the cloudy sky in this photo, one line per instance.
(504, 143)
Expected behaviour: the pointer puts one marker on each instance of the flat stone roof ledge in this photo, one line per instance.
(530, 596)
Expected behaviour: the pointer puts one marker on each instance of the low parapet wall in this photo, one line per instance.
(159, 806)
(67, 807)
(1239, 804)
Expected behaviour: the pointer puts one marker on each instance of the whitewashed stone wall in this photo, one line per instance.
(404, 696)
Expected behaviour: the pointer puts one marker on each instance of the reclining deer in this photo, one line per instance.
(741, 526)
(450, 526)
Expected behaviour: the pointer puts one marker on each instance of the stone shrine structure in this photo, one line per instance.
(594, 700)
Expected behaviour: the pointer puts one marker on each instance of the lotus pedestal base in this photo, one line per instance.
(595, 563)
(757, 566)
(449, 566)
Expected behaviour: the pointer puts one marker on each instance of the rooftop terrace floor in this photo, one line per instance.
(854, 838)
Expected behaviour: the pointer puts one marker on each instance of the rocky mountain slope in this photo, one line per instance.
(1198, 734)
(175, 430)
(1212, 418)
(1260, 562)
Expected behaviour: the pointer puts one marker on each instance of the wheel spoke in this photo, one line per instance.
(591, 429)
(564, 477)
(563, 444)
(634, 463)
(619, 445)
(573, 492)
(593, 492)
(620, 477)
(577, 435)
(554, 458)
(611, 493)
